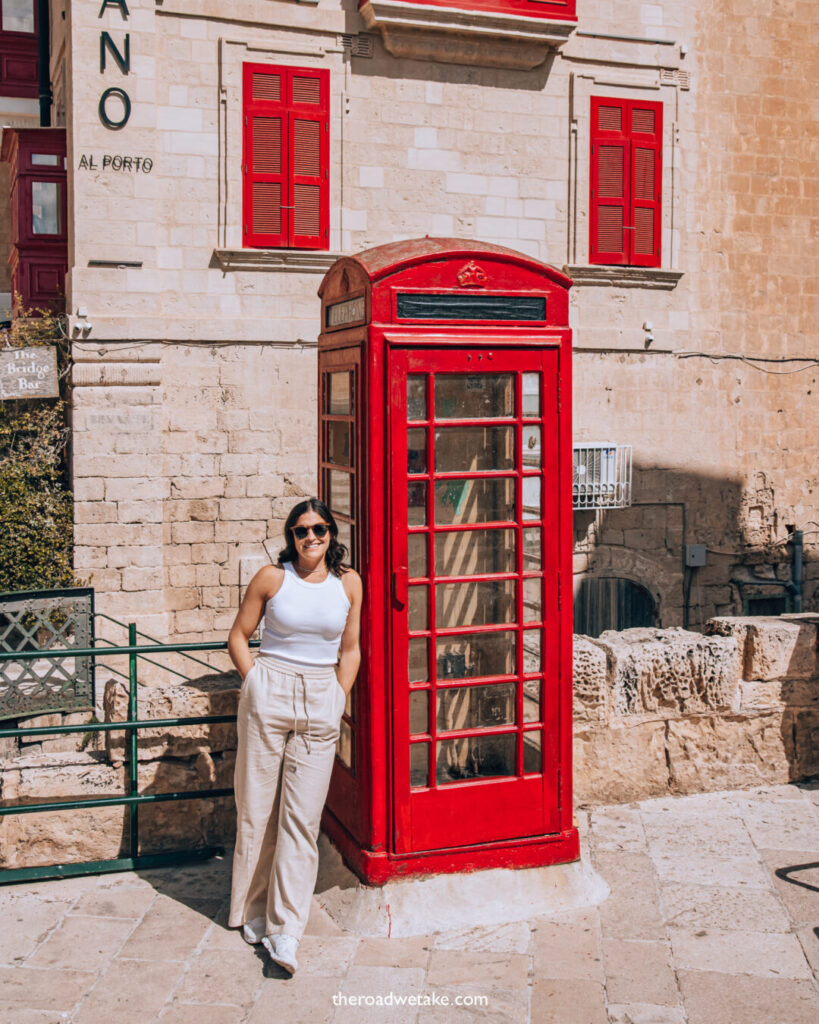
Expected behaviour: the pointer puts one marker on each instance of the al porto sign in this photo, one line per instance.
(29, 372)
(115, 103)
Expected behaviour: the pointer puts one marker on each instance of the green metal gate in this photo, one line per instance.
(133, 799)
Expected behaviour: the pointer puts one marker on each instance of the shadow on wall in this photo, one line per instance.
(748, 564)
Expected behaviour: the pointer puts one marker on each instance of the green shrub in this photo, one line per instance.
(36, 505)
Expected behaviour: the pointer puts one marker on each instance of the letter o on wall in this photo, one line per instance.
(108, 121)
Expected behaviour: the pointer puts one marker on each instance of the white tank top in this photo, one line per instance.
(303, 622)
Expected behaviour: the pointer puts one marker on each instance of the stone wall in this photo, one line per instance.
(672, 711)
(655, 712)
(187, 447)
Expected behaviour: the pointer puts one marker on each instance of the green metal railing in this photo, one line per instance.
(133, 799)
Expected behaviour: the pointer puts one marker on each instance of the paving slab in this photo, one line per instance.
(639, 971)
(761, 953)
(27, 922)
(44, 988)
(712, 998)
(645, 1013)
(82, 943)
(568, 951)
(130, 992)
(562, 1001)
(170, 930)
(221, 976)
(510, 938)
(708, 907)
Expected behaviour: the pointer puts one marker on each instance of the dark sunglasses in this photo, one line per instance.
(320, 530)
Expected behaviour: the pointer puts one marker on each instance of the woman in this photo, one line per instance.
(290, 707)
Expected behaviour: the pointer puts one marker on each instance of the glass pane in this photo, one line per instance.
(417, 451)
(481, 603)
(417, 547)
(532, 455)
(533, 600)
(532, 641)
(531, 700)
(475, 654)
(531, 550)
(475, 707)
(474, 501)
(345, 537)
(45, 207)
(344, 747)
(417, 504)
(417, 397)
(473, 552)
(531, 497)
(341, 492)
(531, 394)
(474, 449)
(417, 660)
(419, 765)
(467, 396)
(419, 711)
(46, 159)
(339, 395)
(18, 15)
(475, 757)
(418, 613)
(532, 757)
(339, 444)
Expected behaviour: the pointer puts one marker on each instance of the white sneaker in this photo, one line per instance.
(253, 931)
(282, 950)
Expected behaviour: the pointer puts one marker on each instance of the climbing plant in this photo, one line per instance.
(36, 504)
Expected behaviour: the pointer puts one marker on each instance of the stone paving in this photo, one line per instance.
(698, 929)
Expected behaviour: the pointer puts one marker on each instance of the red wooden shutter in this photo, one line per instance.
(308, 142)
(646, 181)
(286, 157)
(609, 182)
(626, 175)
(265, 156)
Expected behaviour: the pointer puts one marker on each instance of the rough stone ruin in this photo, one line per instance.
(655, 712)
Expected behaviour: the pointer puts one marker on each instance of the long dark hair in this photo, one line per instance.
(336, 553)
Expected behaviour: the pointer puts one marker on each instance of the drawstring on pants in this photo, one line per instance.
(297, 676)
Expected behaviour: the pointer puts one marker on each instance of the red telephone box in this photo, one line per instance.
(445, 455)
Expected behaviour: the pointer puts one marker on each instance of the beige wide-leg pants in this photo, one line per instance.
(288, 723)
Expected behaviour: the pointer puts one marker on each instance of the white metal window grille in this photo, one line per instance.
(601, 476)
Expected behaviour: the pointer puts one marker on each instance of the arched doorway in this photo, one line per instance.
(611, 602)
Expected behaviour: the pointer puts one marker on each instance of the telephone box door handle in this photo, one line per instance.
(400, 590)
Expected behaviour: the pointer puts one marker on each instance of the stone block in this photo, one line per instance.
(100, 833)
(619, 763)
(590, 680)
(216, 694)
(671, 671)
(772, 647)
(711, 752)
(46, 838)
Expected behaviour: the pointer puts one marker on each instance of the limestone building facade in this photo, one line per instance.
(191, 288)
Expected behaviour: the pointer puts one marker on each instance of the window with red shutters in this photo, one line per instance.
(626, 182)
(286, 157)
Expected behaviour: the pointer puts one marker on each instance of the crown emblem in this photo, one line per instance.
(471, 275)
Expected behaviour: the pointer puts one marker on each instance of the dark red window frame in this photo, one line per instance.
(625, 182)
(19, 75)
(285, 159)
